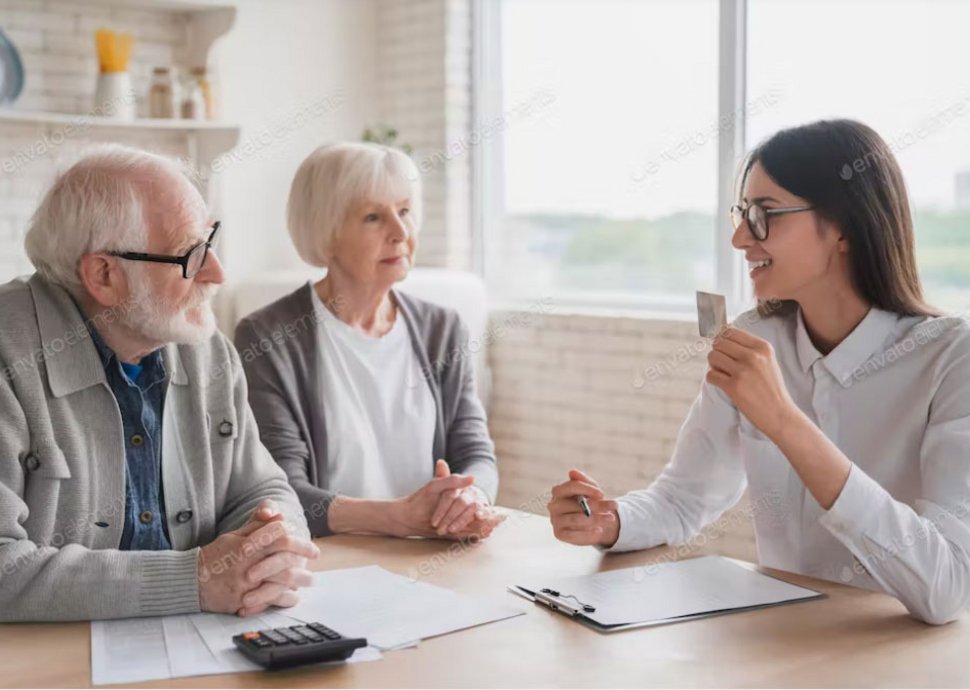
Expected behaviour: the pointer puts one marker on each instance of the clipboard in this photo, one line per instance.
(597, 606)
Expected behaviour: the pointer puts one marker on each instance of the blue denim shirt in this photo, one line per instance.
(139, 390)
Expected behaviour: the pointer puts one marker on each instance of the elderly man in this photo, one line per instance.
(132, 479)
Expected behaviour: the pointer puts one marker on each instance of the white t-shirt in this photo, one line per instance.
(378, 408)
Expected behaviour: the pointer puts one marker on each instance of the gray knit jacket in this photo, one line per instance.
(62, 468)
(279, 347)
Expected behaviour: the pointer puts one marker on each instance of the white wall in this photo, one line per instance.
(405, 63)
(298, 74)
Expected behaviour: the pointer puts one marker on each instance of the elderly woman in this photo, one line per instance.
(363, 394)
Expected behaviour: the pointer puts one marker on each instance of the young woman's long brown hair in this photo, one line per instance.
(850, 175)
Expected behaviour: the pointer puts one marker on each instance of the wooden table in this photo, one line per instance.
(853, 638)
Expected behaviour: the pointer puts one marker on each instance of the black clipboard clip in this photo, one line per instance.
(557, 602)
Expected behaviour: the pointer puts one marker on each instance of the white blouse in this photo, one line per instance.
(379, 410)
(895, 398)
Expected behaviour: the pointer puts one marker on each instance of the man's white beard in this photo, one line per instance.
(149, 317)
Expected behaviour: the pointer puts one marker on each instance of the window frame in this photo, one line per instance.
(488, 162)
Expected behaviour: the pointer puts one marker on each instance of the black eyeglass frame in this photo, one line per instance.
(744, 213)
(184, 260)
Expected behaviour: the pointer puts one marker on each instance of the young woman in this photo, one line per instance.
(843, 405)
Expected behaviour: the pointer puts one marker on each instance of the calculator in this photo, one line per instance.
(296, 645)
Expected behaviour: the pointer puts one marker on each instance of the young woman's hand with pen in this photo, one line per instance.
(569, 522)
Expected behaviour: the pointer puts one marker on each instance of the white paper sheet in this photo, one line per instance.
(217, 630)
(129, 650)
(187, 653)
(140, 649)
(390, 610)
(672, 590)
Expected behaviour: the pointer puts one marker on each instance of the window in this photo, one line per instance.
(607, 188)
(902, 69)
(608, 182)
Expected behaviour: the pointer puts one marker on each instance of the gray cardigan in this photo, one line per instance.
(62, 468)
(279, 349)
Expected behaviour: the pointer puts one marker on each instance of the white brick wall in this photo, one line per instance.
(56, 42)
(424, 90)
(604, 394)
(31, 152)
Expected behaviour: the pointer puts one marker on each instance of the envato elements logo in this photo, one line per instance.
(702, 137)
(653, 373)
(530, 107)
(924, 129)
(276, 133)
(40, 148)
(930, 526)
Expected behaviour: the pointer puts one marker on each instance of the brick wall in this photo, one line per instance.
(424, 90)
(56, 43)
(33, 154)
(603, 393)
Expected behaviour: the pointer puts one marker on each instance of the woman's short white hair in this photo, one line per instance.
(100, 203)
(334, 178)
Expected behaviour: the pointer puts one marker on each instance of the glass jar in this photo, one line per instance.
(161, 95)
(193, 104)
(201, 76)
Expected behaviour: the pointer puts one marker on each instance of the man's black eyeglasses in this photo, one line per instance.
(191, 262)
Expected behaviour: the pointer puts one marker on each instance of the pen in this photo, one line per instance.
(584, 504)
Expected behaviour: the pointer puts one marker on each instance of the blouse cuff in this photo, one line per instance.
(633, 519)
(854, 513)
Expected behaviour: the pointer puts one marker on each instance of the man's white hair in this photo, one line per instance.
(100, 203)
(335, 177)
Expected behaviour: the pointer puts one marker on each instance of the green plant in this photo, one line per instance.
(385, 135)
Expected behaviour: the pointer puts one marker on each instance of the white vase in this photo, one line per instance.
(114, 96)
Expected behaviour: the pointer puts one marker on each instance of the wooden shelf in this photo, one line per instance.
(171, 5)
(82, 120)
(206, 22)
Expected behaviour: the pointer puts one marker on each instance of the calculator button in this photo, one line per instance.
(251, 636)
(274, 637)
(309, 634)
(322, 629)
(294, 637)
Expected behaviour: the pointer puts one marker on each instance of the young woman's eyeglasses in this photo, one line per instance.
(191, 262)
(757, 217)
